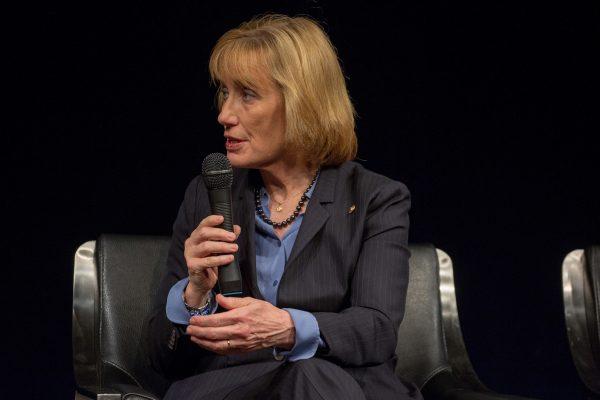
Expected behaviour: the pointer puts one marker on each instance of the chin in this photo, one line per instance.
(240, 161)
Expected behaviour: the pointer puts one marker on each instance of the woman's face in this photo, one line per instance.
(254, 121)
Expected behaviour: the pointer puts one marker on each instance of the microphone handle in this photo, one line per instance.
(230, 279)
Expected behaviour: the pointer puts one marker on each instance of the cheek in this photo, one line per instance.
(277, 128)
(266, 133)
(265, 128)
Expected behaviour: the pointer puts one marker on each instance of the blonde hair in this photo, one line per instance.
(298, 56)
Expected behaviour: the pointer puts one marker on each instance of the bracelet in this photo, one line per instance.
(204, 310)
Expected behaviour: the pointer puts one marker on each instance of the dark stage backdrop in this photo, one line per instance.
(487, 111)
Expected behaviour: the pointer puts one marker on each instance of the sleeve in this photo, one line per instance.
(176, 309)
(365, 332)
(308, 338)
(168, 350)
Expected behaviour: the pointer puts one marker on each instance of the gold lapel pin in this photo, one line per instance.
(351, 209)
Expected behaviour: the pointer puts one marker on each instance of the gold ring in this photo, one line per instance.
(228, 344)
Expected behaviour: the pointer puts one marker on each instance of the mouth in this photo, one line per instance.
(232, 144)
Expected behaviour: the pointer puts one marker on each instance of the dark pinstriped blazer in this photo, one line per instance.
(348, 266)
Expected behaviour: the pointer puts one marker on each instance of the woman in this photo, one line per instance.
(321, 241)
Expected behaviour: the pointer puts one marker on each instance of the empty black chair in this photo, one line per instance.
(581, 296)
(115, 279)
(431, 352)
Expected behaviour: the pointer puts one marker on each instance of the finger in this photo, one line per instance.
(212, 273)
(200, 264)
(215, 333)
(205, 233)
(212, 220)
(237, 230)
(222, 347)
(219, 347)
(222, 319)
(229, 303)
(211, 247)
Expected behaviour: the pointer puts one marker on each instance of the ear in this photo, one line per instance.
(230, 303)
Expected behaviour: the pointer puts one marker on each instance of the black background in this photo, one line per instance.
(487, 111)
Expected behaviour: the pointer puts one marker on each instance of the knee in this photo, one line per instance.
(303, 364)
(326, 377)
(310, 366)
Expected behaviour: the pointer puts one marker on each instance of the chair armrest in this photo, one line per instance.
(580, 304)
(132, 392)
(444, 386)
(86, 393)
(119, 391)
(458, 357)
(79, 396)
(461, 382)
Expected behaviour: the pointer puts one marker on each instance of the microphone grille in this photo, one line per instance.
(217, 172)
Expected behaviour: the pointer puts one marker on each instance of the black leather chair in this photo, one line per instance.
(115, 279)
(581, 296)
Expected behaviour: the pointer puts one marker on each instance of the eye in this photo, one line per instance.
(249, 94)
(224, 93)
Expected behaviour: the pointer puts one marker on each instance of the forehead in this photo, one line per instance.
(257, 80)
(243, 67)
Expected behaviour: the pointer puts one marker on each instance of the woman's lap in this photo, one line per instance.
(313, 378)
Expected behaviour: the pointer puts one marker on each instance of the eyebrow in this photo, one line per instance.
(241, 85)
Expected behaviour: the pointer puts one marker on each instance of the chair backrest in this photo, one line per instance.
(115, 280)
(421, 349)
(581, 296)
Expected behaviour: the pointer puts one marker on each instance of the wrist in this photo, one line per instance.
(204, 309)
(195, 298)
(289, 340)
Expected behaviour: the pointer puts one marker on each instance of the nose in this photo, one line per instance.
(227, 117)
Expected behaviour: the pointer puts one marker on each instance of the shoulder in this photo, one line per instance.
(370, 185)
(377, 203)
(196, 192)
(195, 198)
(194, 187)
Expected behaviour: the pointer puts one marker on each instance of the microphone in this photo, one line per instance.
(218, 178)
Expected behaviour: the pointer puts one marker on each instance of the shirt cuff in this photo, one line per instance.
(176, 310)
(308, 336)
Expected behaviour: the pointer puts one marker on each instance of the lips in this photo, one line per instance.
(232, 144)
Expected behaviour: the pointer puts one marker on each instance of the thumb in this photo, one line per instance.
(230, 303)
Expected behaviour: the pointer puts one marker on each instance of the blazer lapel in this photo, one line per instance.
(316, 214)
(244, 213)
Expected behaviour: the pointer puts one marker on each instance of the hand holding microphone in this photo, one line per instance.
(211, 244)
(208, 248)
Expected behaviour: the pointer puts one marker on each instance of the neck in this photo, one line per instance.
(285, 179)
